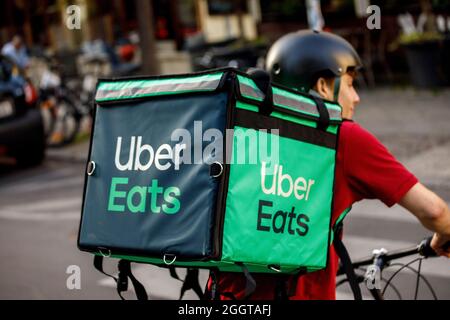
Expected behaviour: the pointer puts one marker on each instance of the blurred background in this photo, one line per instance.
(53, 52)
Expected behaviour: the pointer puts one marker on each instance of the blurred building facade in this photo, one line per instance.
(43, 23)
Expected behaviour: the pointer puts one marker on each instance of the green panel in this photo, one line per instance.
(303, 99)
(331, 128)
(275, 114)
(298, 102)
(311, 170)
(246, 106)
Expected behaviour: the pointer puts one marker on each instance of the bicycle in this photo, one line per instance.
(59, 105)
(382, 259)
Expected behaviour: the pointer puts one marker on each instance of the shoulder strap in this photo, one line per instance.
(98, 264)
(211, 291)
(122, 279)
(348, 268)
(344, 256)
(324, 115)
(338, 223)
(262, 80)
(250, 284)
(122, 284)
(191, 282)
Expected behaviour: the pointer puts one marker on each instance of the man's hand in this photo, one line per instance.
(441, 245)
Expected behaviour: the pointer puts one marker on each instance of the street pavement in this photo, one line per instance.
(40, 210)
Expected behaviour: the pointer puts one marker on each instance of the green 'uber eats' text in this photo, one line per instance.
(141, 199)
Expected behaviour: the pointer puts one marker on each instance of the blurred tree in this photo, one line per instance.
(238, 4)
(147, 36)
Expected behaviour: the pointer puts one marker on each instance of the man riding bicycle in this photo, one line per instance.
(326, 65)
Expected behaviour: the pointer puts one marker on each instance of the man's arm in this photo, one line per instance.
(432, 212)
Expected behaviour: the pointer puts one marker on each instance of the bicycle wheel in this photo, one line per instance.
(67, 123)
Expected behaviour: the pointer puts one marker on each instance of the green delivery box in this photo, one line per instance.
(210, 170)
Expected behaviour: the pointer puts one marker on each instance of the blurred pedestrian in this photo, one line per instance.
(16, 51)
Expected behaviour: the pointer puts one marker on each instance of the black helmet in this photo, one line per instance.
(297, 59)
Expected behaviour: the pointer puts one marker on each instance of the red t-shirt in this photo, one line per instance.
(365, 169)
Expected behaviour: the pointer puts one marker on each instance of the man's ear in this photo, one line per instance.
(323, 87)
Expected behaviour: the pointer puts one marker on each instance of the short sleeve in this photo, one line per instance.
(371, 170)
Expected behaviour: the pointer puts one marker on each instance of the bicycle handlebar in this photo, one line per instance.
(424, 249)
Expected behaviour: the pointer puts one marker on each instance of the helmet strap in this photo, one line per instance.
(337, 86)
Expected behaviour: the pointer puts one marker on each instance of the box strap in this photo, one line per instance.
(122, 279)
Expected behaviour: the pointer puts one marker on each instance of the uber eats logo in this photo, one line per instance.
(153, 198)
(204, 147)
(281, 184)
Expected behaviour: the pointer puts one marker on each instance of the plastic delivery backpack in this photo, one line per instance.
(218, 170)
